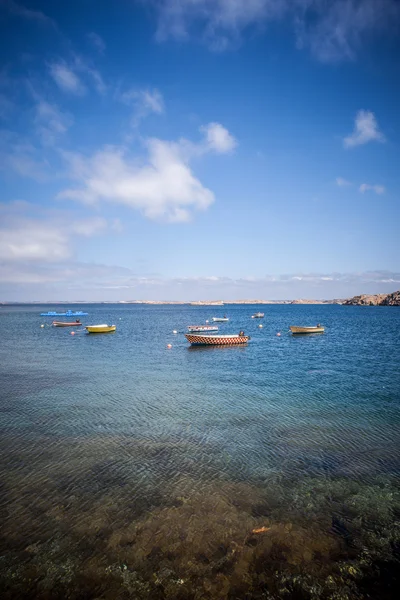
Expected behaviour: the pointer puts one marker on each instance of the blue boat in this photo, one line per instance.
(69, 313)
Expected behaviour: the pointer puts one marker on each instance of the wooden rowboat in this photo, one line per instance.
(65, 324)
(202, 339)
(317, 329)
(202, 328)
(104, 328)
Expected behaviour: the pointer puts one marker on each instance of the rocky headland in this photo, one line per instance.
(374, 300)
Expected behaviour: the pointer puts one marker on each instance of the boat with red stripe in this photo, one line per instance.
(217, 340)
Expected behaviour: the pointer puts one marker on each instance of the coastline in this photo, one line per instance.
(391, 299)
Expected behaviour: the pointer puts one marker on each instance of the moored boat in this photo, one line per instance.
(316, 329)
(220, 319)
(104, 328)
(65, 324)
(258, 315)
(68, 313)
(202, 328)
(202, 339)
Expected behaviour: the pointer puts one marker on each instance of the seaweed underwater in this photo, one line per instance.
(100, 522)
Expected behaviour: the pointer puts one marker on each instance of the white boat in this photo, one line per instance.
(258, 315)
(315, 329)
(220, 319)
(202, 328)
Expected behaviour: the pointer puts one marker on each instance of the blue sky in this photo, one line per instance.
(178, 150)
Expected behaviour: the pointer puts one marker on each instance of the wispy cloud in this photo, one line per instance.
(6, 106)
(51, 122)
(143, 103)
(19, 10)
(92, 75)
(365, 130)
(161, 187)
(41, 238)
(378, 189)
(105, 282)
(66, 79)
(341, 182)
(19, 156)
(68, 76)
(97, 42)
(332, 29)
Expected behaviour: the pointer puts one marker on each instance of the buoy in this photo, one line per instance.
(169, 345)
(174, 331)
(260, 326)
(207, 321)
(278, 334)
(72, 332)
(42, 326)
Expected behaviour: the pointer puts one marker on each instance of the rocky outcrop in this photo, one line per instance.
(375, 300)
(392, 299)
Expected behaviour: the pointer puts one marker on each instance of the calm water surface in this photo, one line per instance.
(129, 470)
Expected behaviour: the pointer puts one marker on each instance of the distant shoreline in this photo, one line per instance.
(392, 299)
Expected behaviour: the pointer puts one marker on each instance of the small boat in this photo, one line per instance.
(104, 328)
(64, 324)
(220, 319)
(69, 313)
(202, 339)
(202, 328)
(258, 315)
(316, 329)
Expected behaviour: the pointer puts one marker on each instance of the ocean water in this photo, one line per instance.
(130, 470)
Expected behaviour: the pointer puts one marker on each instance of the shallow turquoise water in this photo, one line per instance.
(91, 419)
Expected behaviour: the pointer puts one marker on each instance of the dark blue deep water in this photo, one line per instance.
(130, 470)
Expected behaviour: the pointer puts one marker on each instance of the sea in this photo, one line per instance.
(133, 465)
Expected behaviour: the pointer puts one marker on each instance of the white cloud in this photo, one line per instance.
(41, 238)
(161, 187)
(342, 182)
(332, 29)
(218, 138)
(97, 42)
(66, 278)
(365, 130)
(51, 122)
(66, 79)
(378, 189)
(144, 102)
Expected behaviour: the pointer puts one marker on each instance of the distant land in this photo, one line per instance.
(375, 300)
(392, 299)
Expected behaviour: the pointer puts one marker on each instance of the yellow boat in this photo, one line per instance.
(317, 329)
(104, 328)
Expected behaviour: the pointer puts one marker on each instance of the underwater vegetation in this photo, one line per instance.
(101, 523)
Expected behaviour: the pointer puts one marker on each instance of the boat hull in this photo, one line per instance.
(216, 340)
(61, 324)
(66, 314)
(258, 316)
(100, 328)
(297, 330)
